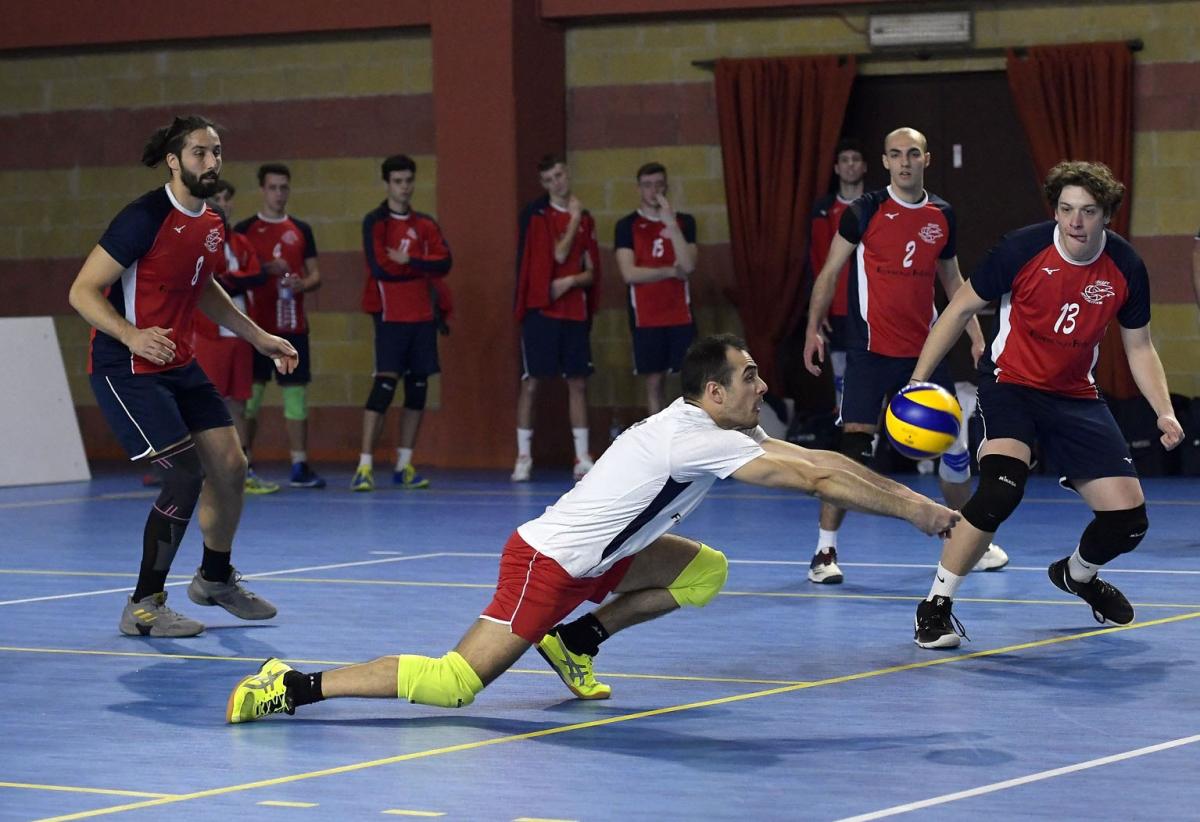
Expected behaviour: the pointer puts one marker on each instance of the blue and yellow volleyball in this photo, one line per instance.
(923, 421)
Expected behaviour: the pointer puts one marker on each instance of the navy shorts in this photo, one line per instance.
(837, 337)
(264, 367)
(1078, 436)
(149, 412)
(406, 348)
(871, 378)
(555, 348)
(660, 349)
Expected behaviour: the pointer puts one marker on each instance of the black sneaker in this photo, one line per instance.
(1107, 602)
(305, 477)
(935, 626)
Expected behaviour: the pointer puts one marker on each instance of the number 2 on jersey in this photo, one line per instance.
(909, 250)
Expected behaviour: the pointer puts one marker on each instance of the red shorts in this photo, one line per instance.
(228, 362)
(534, 593)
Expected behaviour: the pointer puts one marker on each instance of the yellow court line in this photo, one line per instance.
(342, 663)
(76, 789)
(613, 720)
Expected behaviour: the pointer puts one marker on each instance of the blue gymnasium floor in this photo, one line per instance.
(781, 700)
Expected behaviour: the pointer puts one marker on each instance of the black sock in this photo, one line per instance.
(304, 689)
(215, 565)
(583, 636)
(160, 541)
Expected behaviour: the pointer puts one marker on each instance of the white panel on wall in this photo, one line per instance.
(39, 432)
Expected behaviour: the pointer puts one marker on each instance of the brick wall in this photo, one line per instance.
(333, 105)
(635, 95)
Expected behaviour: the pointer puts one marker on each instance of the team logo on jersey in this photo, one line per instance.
(931, 233)
(290, 237)
(179, 228)
(1098, 292)
(1050, 271)
(213, 241)
(891, 216)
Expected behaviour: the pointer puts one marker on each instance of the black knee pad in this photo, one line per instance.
(1001, 486)
(416, 386)
(382, 394)
(858, 446)
(182, 477)
(1112, 533)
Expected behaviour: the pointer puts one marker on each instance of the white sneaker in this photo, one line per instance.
(522, 469)
(993, 560)
(824, 568)
(582, 466)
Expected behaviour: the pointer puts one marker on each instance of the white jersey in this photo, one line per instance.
(653, 475)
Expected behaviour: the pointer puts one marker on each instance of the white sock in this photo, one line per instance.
(366, 461)
(525, 443)
(945, 584)
(299, 456)
(581, 442)
(1080, 569)
(403, 458)
(825, 539)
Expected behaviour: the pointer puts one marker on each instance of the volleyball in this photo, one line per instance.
(923, 420)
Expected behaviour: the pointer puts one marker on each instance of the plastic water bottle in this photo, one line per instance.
(285, 305)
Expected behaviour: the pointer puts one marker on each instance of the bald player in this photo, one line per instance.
(898, 241)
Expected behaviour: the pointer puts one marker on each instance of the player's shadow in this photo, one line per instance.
(1112, 666)
(645, 740)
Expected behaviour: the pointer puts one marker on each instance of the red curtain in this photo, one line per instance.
(1076, 103)
(780, 120)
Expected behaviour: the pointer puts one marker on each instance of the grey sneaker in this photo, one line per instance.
(231, 596)
(150, 616)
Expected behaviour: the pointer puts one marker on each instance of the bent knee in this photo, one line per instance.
(702, 579)
(446, 682)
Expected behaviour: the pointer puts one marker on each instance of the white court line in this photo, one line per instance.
(896, 810)
(926, 566)
(246, 576)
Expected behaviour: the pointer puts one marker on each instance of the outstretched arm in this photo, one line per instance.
(832, 459)
(845, 490)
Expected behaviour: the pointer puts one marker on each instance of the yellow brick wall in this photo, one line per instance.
(1166, 199)
(60, 213)
(277, 68)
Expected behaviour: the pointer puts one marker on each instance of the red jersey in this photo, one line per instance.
(893, 268)
(542, 224)
(169, 254)
(1054, 312)
(826, 215)
(405, 293)
(272, 305)
(665, 302)
(240, 272)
